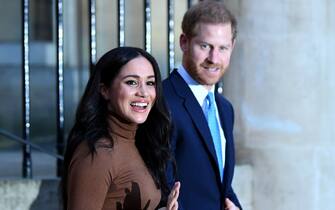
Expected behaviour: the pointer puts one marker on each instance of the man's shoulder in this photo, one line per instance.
(166, 81)
(172, 82)
(223, 100)
(167, 85)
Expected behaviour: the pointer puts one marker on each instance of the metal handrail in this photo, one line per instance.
(24, 142)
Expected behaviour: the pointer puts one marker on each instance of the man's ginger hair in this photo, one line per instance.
(212, 12)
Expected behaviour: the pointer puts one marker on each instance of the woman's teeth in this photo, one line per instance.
(139, 104)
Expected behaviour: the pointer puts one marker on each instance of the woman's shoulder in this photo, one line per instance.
(102, 156)
(102, 150)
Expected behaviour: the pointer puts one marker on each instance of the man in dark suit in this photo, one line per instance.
(202, 134)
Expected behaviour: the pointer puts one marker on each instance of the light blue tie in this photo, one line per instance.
(210, 113)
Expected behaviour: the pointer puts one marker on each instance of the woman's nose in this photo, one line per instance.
(142, 91)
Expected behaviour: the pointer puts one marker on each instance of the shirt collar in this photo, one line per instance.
(199, 91)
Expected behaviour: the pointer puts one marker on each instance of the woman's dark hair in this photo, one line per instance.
(152, 137)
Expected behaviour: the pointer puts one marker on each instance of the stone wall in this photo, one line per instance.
(281, 82)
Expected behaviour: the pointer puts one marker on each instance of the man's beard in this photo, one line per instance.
(191, 66)
(210, 65)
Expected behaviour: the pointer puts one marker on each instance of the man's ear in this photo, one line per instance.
(183, 42)
(233, 44)
(104, 91)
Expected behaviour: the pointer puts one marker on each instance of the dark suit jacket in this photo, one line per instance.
(191, 141)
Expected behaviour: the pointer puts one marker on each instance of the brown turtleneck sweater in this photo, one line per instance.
(115, 178)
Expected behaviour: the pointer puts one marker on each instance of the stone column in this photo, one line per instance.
(282, 84)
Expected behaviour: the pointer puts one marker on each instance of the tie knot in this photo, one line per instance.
(210, 98)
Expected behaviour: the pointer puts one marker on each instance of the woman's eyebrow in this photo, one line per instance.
(137, 76)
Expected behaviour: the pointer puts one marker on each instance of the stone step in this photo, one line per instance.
(29, 194)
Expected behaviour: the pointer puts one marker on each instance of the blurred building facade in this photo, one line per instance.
(282, 84)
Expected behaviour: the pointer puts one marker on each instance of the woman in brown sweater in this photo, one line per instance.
(118, 148)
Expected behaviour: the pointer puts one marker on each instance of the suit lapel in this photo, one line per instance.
(194, 110)
(224, 120)
(223, 116)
